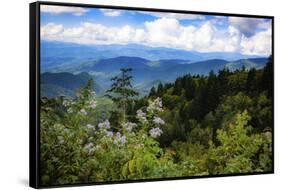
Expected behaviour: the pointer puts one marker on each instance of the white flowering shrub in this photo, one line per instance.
(77, 147)
(206, 125)
(78, 144)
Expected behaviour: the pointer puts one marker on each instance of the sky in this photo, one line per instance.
(190, 32)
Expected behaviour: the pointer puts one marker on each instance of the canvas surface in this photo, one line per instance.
(139, 95)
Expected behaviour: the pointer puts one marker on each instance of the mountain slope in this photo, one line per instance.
(65, 84)
(257, 63)
(201, 68)
(144, 88)
(60, 53)
(52, 90)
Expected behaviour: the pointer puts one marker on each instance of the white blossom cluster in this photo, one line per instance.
(119, 139)
(92, 93)
(155, 106)
(83, 111)
(66, 103)
(109, 134)
(104, 125)
(90, 126)
(141, 116)
(90, 148)
(93, 104)
(155, 132)
(158, 121)
(129, 126)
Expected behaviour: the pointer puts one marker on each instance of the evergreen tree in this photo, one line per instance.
(267, 77)
(197, 108)
(223, 87)
(152, 91)
(160, 89)
(190, 87)
(121, 91)
(212, 93)
(177, 87)
(251, 84)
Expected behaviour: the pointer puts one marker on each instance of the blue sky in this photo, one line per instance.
(97, 16)
(191, 32)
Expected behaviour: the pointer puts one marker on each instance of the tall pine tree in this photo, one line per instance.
(121, 91)
(267, 77)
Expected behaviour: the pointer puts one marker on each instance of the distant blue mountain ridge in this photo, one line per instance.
(64, 79)
(65, 67)
(54, 53)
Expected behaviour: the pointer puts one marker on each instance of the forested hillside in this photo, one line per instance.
(198, 125)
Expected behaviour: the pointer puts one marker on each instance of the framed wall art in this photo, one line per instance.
(127, 94)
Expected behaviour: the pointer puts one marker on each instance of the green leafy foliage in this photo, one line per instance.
(238, 151)
(220, 124)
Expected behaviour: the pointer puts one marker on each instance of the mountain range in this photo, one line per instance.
(68, 66)
(62, 53)
(64, 79)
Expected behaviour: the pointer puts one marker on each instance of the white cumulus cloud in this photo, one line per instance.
(248, 26)
(52, 9)
(51, 31)
(165, 32)
(92, 33)
(178, 16)
(111, 12)
(258, 44)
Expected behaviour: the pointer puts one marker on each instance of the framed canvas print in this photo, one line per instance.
(126, 94)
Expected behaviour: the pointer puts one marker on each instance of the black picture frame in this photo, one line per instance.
(34, 92)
